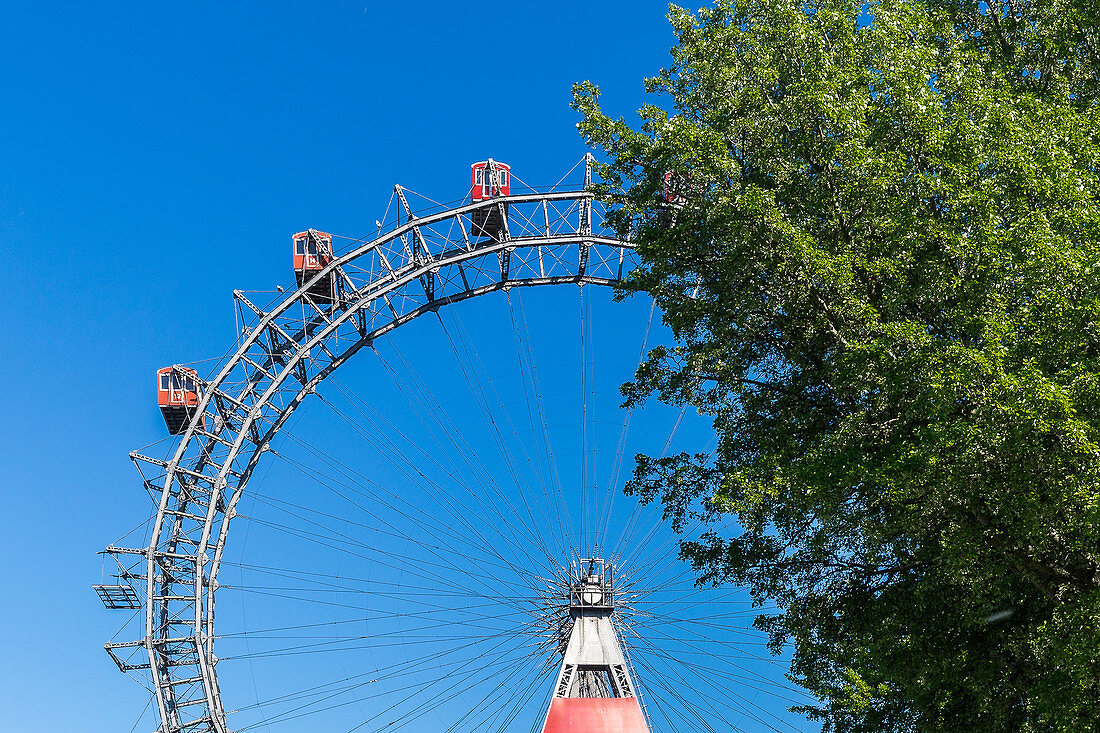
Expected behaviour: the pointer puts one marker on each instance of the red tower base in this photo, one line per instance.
(595, 715)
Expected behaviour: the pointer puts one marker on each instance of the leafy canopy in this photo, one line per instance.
(884, 284)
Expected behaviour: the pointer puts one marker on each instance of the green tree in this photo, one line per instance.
(883, 276)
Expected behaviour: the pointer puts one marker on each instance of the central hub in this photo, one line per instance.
(591, 586)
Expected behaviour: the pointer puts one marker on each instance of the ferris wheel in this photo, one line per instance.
(436, 538)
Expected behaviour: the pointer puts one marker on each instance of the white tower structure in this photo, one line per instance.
(594, 691)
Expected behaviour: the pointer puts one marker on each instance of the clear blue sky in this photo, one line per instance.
(155, 157)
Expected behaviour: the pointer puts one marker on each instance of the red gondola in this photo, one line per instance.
(675, 186)
(489, 179)
(674, 189)
(312, 253)
(178, 396)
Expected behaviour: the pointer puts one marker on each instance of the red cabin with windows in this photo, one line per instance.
(178, 396)
(312, 253)
(674, 190)
(675, 186)
(488, 180)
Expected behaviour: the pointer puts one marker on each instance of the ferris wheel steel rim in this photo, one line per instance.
(253, 421)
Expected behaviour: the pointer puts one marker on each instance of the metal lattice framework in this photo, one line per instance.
(423, 261)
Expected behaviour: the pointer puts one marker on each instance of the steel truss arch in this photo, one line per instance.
(421, 264)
